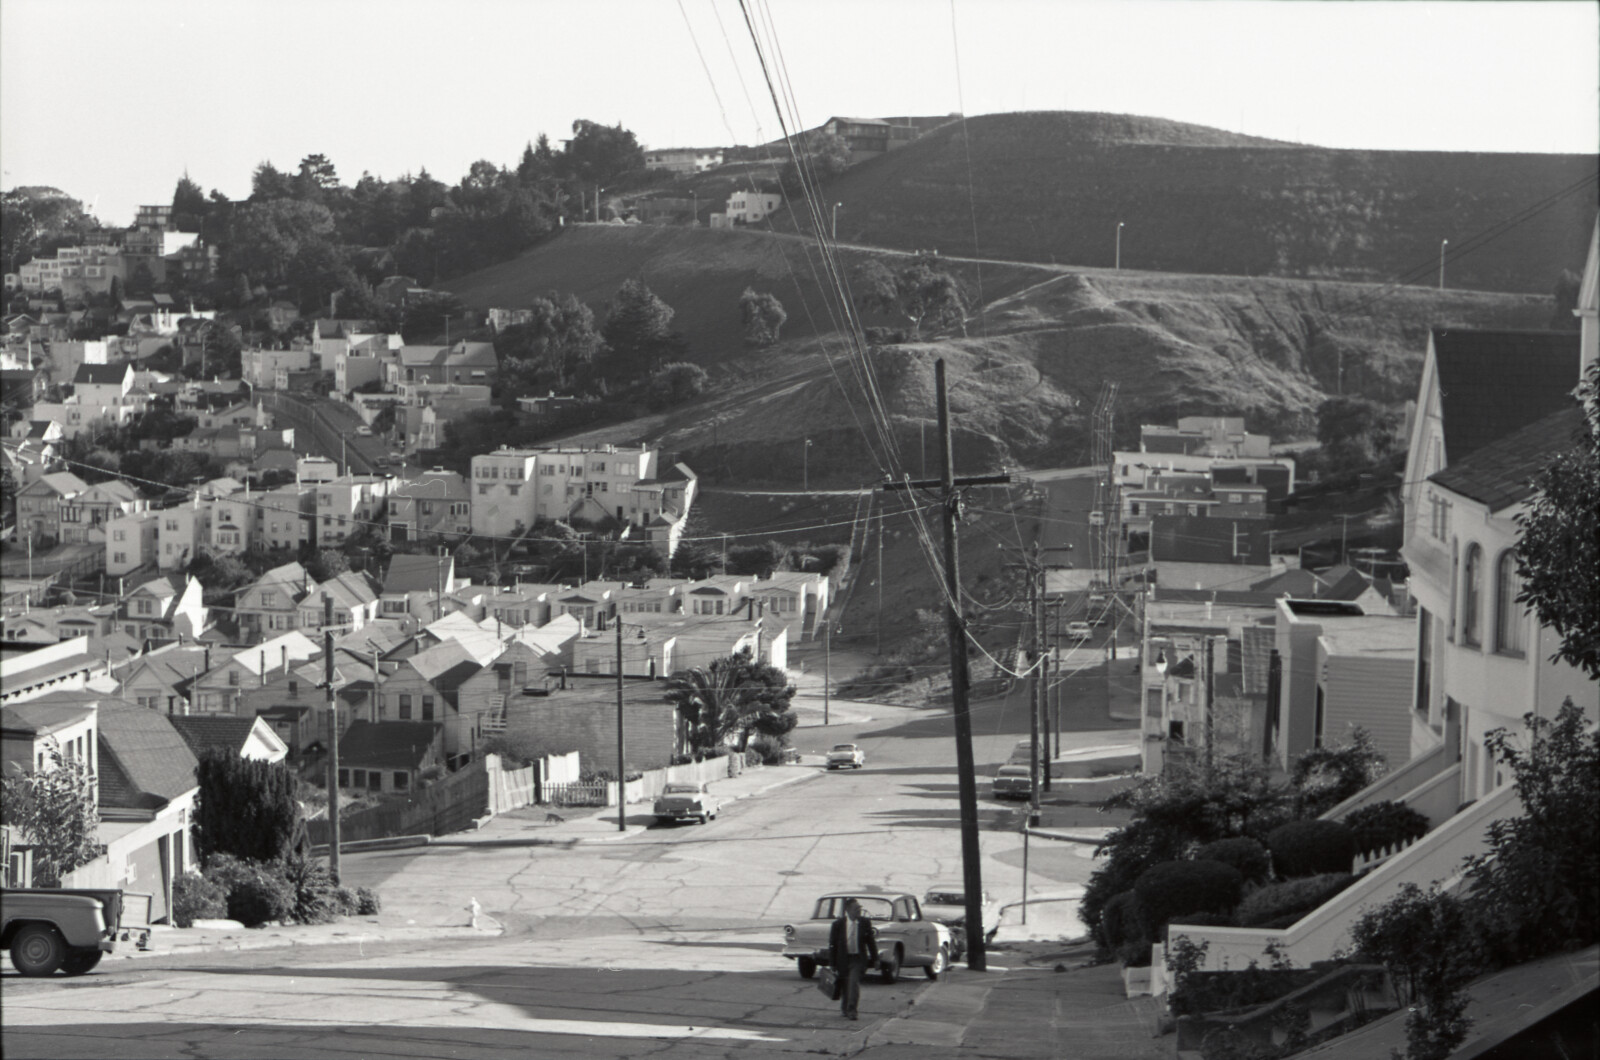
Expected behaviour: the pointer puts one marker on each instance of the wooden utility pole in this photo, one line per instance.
(333, 737)
(622, 773)
(880, 578)
(956, 626)
(1036, 689)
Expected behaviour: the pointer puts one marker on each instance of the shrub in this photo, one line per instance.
(367, 903)
(1292, 899)
(346, 901)
(1385, 824)
(264, 897)
(1429, 941)
(228, 871)
(1311, 848)
(1175, 888)
(1243, 853)
(1203, 920)
(315, 901)
(1135, 954)
(770, 749)
(196, 898)
(1119, 921)
(752, 757)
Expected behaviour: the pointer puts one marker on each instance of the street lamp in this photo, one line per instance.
(1119, 244)
(805, 466)
(1442, 244)
(835, 235)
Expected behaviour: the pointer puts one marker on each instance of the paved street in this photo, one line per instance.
(662, 939)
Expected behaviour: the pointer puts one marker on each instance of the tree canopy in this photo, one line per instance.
(921, 293)
(731, 700)
(763, 316)
(54, 809)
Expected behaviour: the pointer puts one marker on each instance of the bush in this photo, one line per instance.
(315, 901)
(367, 903)
(1243, 853)
(1134, 954)
(1202, 920)
(1119, 921)
(261, 898)
(1311, 848)
(1176, 888)
(1293, 899)
(196, 898)
(1385, 824)
(771, 749)
(346, 901)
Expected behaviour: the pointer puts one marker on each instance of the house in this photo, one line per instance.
(161, 679)
(250, 738)
(424, 688)
(548, 404)
(389, 757)
(186, 529)
(345, 504)
(482, 697)
(1341, 668)
(747, 207)
(40, 504)
(98, 505)
(871, 137)
(32, 733)
(271, 604)
(682, 160)
(292, 698)
(582, 717)
(414, 587)
(65, 666)
(165, 608)
(1204, 553)
(464, 362)
(285, 515)
(220, 689)
(435, 504)
(269, 369)
(1493, 408)
(355, 602)
(132, 543)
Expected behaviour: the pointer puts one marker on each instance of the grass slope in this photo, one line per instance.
(1051, 187)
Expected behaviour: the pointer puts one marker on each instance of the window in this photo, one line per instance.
(483, 491)
(294, 689)
(1424, 660)
(514, 490)
(1472, 597)
(405, 706)
(233, 678)
(360, 776)
(1509, 624)
(1455, 569)
(402, 780)
(427, 708)
(119, 557)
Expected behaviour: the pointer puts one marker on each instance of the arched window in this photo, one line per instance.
(1472, 597)
(1509, 633)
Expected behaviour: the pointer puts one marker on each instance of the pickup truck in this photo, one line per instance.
(686, 802)
(71, 930)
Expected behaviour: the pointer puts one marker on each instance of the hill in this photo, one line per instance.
(1024, 379)
(1052, 186)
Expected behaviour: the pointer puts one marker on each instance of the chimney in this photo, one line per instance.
(263, 667)
(284, 650)
(207, 659)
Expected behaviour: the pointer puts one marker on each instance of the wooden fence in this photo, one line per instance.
(451, 805)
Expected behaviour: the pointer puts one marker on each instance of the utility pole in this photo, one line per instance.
(1053, 648)
(1036, 690)
(333, 737)
(827, 666)
(1211, 662)
(956, 627)
(622, 773)
(1044, 689)
(880, 578)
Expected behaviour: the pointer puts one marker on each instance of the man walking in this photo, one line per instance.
(854, 946)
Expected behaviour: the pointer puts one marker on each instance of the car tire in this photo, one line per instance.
(889, 967)
(806, 966)
(941, 961)
(37, 950)
(704, 818)
(81, 962)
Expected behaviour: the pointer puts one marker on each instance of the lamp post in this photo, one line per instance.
(805, 466)
(1119, 244)
(835, 236)
(1442, 244)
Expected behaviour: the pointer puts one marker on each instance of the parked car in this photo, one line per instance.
(1013, 782)
(947, 903)
(364, 431)
(1079, 631)
(906, 938)
(846, 754)
(686, 802)
(71, 930)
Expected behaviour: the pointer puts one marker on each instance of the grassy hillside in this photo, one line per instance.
(699, 272)
(1051, 187)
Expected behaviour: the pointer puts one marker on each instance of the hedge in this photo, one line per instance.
(197, 898)
(1385, 824)
(1119, 921)
(1311, 848)
(1293, 899)
(1175, 888)
(1245, 854)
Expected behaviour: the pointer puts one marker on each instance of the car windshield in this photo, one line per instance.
(944, 898)
(1013, 771)
(682, 789)
(871, 908)
(844, 747)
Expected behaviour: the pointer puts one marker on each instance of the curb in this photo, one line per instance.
(358, 846)
(1065, 837)
(250, 939)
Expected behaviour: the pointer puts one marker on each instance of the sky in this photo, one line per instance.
(113, 100)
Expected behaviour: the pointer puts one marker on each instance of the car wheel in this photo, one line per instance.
(38, 950)
(889, 967)
(81, 962)
(941, 961)
(704, 818)
(807, 966)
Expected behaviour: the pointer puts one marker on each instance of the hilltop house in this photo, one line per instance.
(424, 688)
(168, 608)
(40, 503)
(220, 689)
(271, 604)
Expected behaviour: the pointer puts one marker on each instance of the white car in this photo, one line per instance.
(1079, 631)
(686, 802)
(843, 755)
(906, 938)
(364, 431)
(947, 903)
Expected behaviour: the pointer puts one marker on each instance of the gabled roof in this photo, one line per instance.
(349, 590)
(1501, 473)
(105, 374)
(446, 665)
(410, 574)
(270, 652)
(215, 732)
(64, 483)
(387, 744)
(42, 717)
(1494, 382)
(152, 758)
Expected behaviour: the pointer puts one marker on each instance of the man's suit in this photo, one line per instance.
(851, 966)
